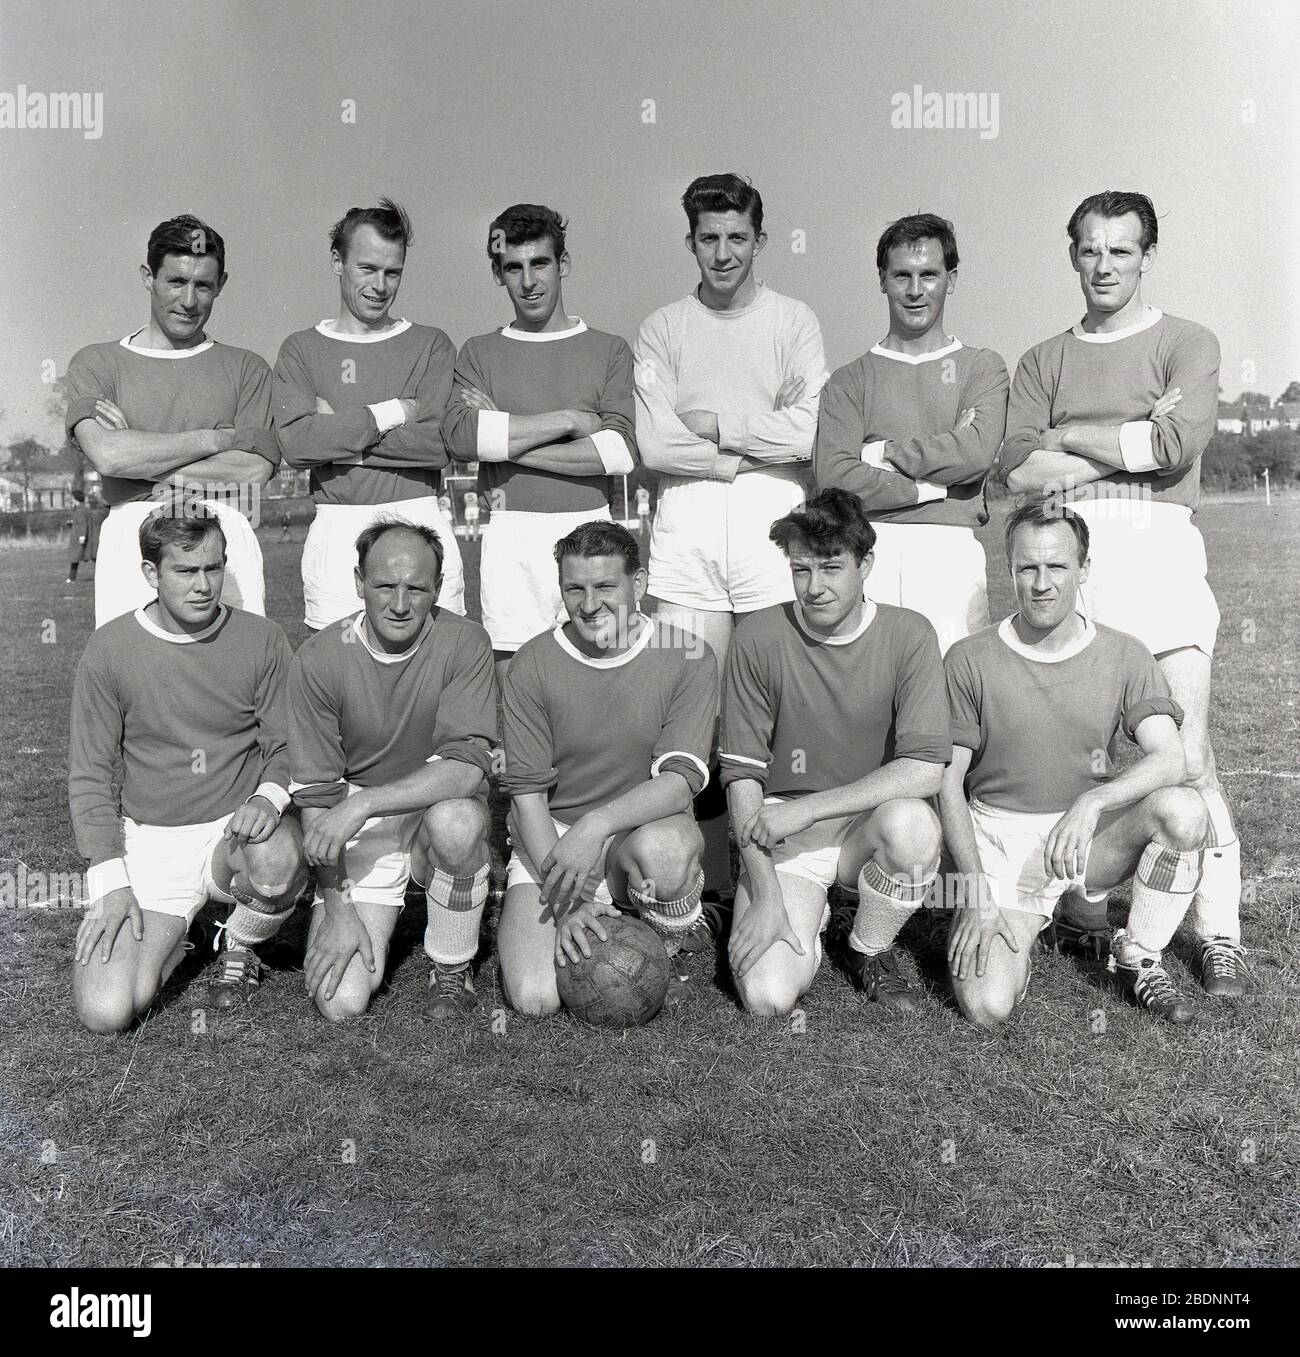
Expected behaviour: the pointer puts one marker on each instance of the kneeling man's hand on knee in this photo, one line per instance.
(104, 919)
(977, 924)
(577, 857)
(764, 924)
(1065, 855)
(340, 936)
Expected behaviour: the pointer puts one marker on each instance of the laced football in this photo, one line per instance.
(625, 980)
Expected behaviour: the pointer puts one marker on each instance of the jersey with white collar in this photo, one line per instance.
(351, 461)
(174, 391)
(198, 722)
(532, 374)
(1040, 726)
(1116, 379)
(357, 715)
(589, 730)
(931, 471)
(803, 713)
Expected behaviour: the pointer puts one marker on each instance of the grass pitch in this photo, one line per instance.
(1083, 1133)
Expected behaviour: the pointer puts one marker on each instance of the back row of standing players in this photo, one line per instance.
(728, 399)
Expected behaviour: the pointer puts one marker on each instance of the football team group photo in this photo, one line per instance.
(742, 663)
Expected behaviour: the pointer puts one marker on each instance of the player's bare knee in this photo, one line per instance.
(454, 831)
(1199, 756)
(1179, 818)
(350, 1000)
(909, 834)
(768, 996)
(104, 1011)
(667, 854)
(274, 873)
(531, 996)
(985, 1005)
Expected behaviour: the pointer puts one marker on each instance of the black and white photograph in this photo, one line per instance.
(650, 635)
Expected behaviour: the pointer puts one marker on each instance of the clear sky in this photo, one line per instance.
(234, 111)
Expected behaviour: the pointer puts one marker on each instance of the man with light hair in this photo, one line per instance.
(1111, 417)
(1031, 803)
(359, 400)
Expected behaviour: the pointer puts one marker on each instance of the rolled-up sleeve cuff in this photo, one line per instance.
(492, 442)
(726, 467)
(388, 415)
(318, 795)
(81, 408)
(738, 768)
(105, 877)
(1135, 446)
(277, 795)
(693, 769)
(614, 454)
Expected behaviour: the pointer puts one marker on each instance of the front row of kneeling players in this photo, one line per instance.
(837, 736)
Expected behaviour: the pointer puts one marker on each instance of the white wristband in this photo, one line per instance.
(614, 454)
(274, 793)
(873, 454)
(929, 493)
(1135, 446)
(388, 415)
(105, 877)
(493, 439)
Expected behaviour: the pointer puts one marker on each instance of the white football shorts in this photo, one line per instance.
(329, 556)
(519, 583)
(170, 866)
(1010, 844)
(120, 585)
(709, 548)
(522, 871)
(1148, 574)
(937, 570)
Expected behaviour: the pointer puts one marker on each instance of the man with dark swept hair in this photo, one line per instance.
(908, 231)
(600, 539)
(168, 407)
(1116, 203)
(359, 400)
(723, 193)
(834, 734)
(186, 697)
(1111, 417)
(524, 222)
(601, 808)
(544, 406)
(912, 428)
(727, 380)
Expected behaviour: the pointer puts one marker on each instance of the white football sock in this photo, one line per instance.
(1163, 886)
(885, 904)
(245, 927)
(1216, 910)
(455, 913)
